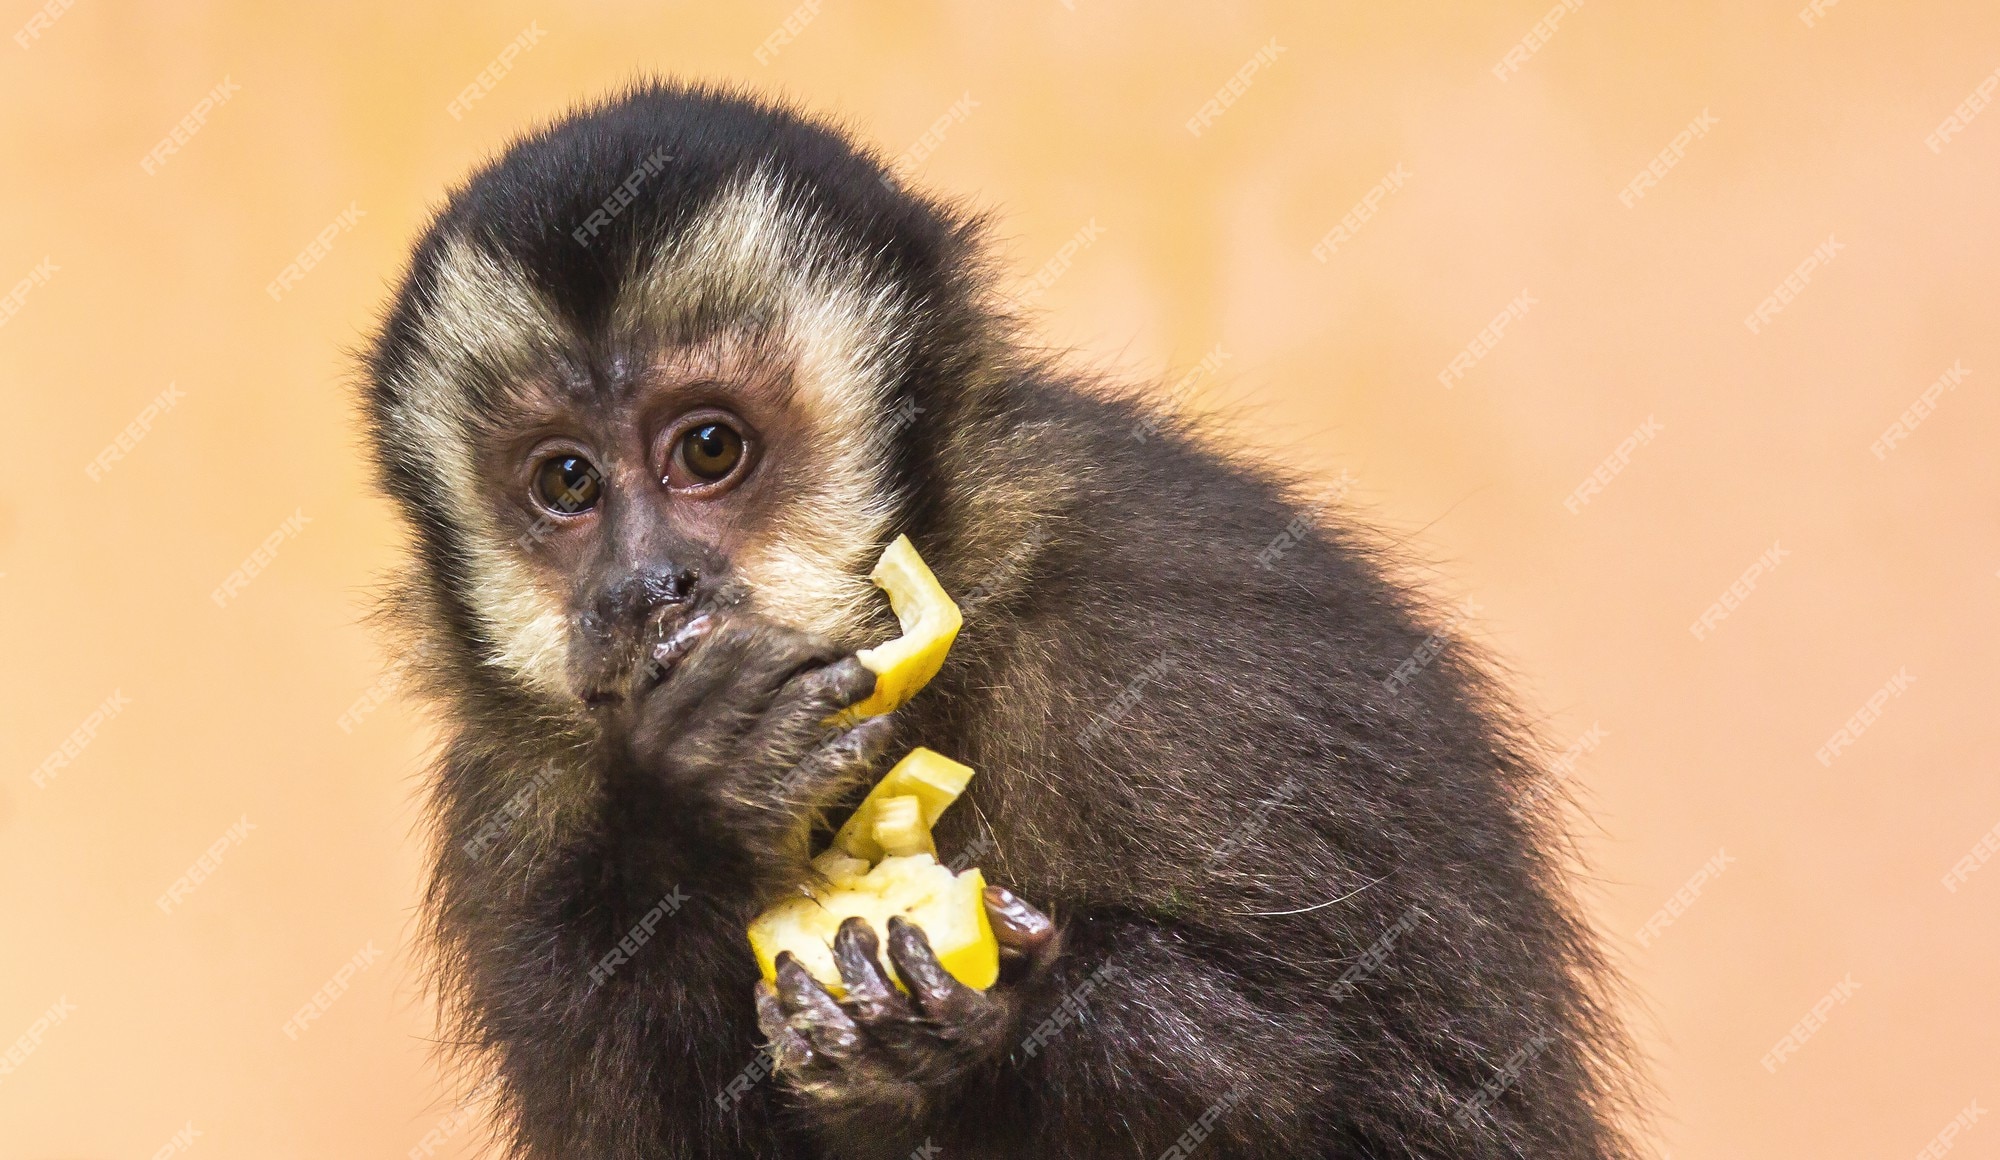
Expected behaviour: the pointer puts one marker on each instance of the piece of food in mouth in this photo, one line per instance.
(930, 622)
(883, 862)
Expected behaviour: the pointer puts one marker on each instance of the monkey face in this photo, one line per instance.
(712, 422)
(638, 490)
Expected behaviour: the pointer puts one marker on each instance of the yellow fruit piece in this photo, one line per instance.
(925, 774)
(883, 862)
(950, 908)
(930, 623)
(900, 828)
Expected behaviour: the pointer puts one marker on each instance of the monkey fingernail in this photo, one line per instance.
(1016, 924)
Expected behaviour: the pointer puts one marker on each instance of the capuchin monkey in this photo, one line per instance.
(1280, 876)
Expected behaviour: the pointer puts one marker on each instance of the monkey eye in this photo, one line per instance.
(567, 484)
(708, 452)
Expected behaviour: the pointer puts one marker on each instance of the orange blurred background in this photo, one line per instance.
(250, 724)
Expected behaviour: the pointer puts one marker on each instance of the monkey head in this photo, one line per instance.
(703, 387)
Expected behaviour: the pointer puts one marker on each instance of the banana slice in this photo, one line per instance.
(930, 623)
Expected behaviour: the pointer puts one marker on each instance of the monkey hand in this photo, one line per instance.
(731, 722)
(878, 1057)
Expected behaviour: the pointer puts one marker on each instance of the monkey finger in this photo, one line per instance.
(772, 660)
(871, 997)
(842, 759)
(858, 745)
(728, 679)
(702, 668)
(809, 1009)
(798, 718)
(935, 991)
(789, 1047)
(1017, 924)
(1025, 934)
(832, 688)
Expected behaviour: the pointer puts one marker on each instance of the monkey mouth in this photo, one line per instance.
(614, 668)
(669, 648)
(660, 650)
